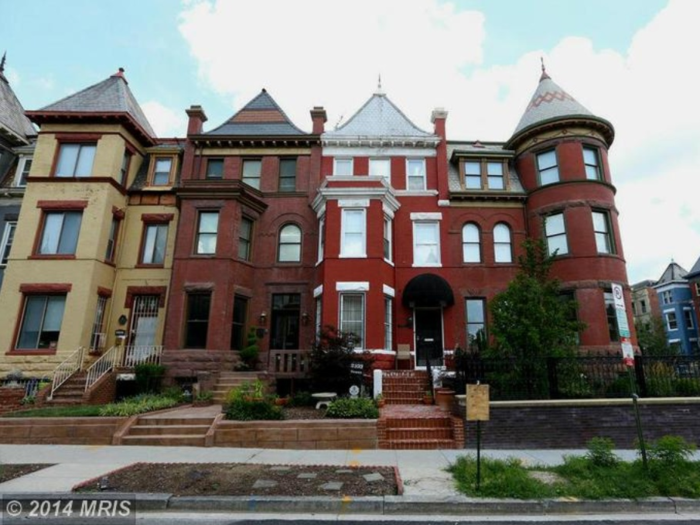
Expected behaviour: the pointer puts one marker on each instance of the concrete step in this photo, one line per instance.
(165, 440)
(159, 430)
(174, 421)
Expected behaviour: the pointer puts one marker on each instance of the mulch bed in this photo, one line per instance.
(304, 413)
(238, 479)
(12, 471)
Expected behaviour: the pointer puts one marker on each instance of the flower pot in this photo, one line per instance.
(281, 401)
(444, 398)
(427, 400)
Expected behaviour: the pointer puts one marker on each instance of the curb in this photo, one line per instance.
(381, 505)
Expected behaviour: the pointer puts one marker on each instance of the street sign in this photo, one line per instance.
(620, 311)
(478, 402)
(627, 352)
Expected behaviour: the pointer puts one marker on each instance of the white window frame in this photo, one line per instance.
(603, 236)
(388, 323)
(549, 171)
(502, 226)
(689, 316)
(7, 238)
(203, 249)
(341, 311)
(596, 166)
(471, 226)
(296, 257)
(556, 235)
(387, 237)
(321, 238)
(667, 317)
(343, 232)
(21, 166)
(491, 178)
(436, 226)
(667, 297)
(472, 178)
(423, 175)
(381, 161)
(339, 160)
(252, 181)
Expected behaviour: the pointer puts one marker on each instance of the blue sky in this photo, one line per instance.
(625, 60)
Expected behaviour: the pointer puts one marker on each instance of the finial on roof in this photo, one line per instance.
(379, 86)
(544, 70)
(264, 90)
(120, 74)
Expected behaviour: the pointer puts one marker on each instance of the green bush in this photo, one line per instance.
(149, 377)
(670, 451)
(301, 399)
(138, 405)
(687, 387)
(204, 395)
(253, 410)
(248, 390)
(600, 452)
(249, 354)
(358, 408)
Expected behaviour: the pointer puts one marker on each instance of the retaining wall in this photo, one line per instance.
(60, 430)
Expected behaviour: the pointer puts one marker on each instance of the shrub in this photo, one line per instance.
(247, 391)
(249, 354)
(301, 399)
(204, 395)
(358, 408)
(149, 377)
(670, 451)
(330, 358)
(600, 452)
(138, 405)
(253, 410)
(687, 387)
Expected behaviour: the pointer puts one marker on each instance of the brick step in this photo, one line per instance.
(246, 376)
(420, 444)
(158, 430)
(404, 381)
(75, 391)
(175, 421)
(165, 440)
(400, 434)
(66, 401)
(402, 391)
(404, 401)
(419, 422)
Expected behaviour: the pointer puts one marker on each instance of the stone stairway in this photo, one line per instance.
(71, 392)
(229, 380)
(172, 431)
(404, 387)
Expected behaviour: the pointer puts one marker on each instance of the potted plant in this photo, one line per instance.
(281, 401)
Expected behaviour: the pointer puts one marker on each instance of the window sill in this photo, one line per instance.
(59, 257)
(391, 263)
(434, 265)
(110, 263)
(358, 256)
(149, 266)
(31, 352)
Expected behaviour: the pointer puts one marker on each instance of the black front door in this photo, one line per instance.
(285, 321)
(428, 327)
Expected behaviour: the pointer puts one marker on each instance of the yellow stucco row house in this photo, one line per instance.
(98, 175)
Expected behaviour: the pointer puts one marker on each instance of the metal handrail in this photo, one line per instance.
(141, 354)
(72, 364)
(104, 365)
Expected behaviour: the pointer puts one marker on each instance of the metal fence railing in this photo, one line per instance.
(30, 384)
(581, 377)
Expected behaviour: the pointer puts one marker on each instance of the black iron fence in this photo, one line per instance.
(580, 377)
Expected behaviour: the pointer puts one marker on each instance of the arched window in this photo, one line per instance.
(290, 244)
(471, 244)
(502, 250)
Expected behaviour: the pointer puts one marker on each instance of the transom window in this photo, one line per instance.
(155, 237)
(426, 243)
(502, 247)
(555, 232)
(415, 169)
(353, 240)
(75, 160)
(207, 228)
(590, 160)
(471, 243)
(8, 236)
(245, 239)
(547, 167)
(288, 175)
(601, 227)
(342, 167)
(161, 171)
(215, 168)
(290, 244)
(60, 235)
(41, 322)
(380, 168)
(251, 172)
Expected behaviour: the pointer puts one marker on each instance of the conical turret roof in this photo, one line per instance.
(673, 272)
(13, 122)
(262, 116)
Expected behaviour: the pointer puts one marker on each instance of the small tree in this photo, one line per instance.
(330, 358)
(532, 320)
(652, 338)
(249, 354)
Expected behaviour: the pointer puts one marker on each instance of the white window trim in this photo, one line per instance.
(382, 160)
(388, 220)
(321, 239)
(668, 322)
(388, 290)
(335, 165)
(5, 238)
(438, 264)
(425, 175)
(361, 344)
(352, 286)
(20, 168)
(318, 291)
(343, 254)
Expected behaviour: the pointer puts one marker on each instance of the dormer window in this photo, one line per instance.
(416, 174)
(494, 174)
(472, 175)
(380, 168)
(162, 170)
(75, 160)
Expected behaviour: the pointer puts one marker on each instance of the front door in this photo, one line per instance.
(144, 320)
(428, 330)
(286, 310)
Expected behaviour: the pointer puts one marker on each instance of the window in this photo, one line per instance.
(41, 321)
(502, 250)
(238, 329)
(353, 240)
(23, 169)
(667, 297)
(289, 244)
(671, 321)
(215, 168)
(547, 167)
(251, 173)
(471, 244)
(601, 227)
(161, 171)
(288, 175)
(75, 160)
(342, 167)
(155, 237)
(611, 315)
(8, 236)
(60, 235)
(387, 239)
(112, 240)
(245, 239)
(476, 323)
(426, 243)
(352, 316)
(697, 288)
(555, 232)
(321, 238)
(568, 299)
(380, 168)
(688, 314)
(388, 335)
(208, 226)
(97, 339)
(494, 172)
(319, 316)
(416, 174)
(590, 160)
(124, 170)
(472, 175)
(197, 323)
(643, 305)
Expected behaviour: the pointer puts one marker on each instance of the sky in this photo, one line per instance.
(632, 62)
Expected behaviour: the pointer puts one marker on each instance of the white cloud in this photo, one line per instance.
(12, 77)
(166, 122)
(328, 53)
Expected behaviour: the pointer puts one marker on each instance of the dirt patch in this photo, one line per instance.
(12, 471)
(304, 413)
(237, 479)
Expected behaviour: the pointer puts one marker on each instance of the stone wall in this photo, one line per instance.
(60, 430)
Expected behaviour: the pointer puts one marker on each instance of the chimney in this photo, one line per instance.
(319, 118)
(195, 125)
(438, 118)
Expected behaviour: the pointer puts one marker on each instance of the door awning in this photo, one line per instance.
(427, 290)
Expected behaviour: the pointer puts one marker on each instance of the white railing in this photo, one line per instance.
(104, 365)
(67, 368)
(137, 355)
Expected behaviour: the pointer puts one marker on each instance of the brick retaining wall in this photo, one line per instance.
(60, 430)
(11, 398)
(571, 424)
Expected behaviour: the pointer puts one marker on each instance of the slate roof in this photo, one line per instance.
(453, 174)
(112, 95)
(673, 272)
(695, 270)
(259, 117)
(12, 117)
(379, 117)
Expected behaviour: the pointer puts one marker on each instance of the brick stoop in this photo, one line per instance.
(411, 427)
(69, 393)
(169, 431)
(404, 387)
